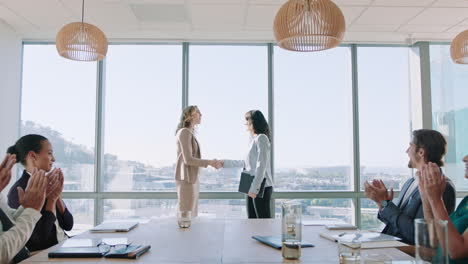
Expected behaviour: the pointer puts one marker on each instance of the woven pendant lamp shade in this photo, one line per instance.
(459, 48)
(309, 25)
(82, 42)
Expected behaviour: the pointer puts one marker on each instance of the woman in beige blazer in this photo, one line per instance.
(189, 161)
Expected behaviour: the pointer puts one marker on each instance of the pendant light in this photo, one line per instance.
(81, 41)
(309, 25)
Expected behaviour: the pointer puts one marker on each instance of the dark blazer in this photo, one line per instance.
(399, 217)
(45, 233)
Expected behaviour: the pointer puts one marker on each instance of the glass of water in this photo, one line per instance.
(184, 218)
(431, 240)
(349, 250)
(291, 230)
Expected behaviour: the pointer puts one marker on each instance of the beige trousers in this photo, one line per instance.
(187, 195)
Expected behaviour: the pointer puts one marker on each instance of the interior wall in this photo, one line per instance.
(10, 83)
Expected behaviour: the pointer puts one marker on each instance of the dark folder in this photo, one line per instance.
(76, 252)
(132, 252)
(245, 183)
(275, 241)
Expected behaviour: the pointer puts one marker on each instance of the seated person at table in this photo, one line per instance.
(425, 146)
(35, 152)
(16, 226)
(431, 184)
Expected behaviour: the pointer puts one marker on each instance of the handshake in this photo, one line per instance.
(217, 164)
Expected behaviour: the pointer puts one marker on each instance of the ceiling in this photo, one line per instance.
(368, 21)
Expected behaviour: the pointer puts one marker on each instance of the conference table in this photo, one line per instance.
(220, 241)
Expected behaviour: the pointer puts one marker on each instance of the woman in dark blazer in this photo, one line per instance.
(35, 151)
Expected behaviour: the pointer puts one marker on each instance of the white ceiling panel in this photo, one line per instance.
(373, 21)
(450, 3)
(423, 28)
(402, 2)
(53, 14)
(457, 29)
(388, 15)
(352, 2)
(105, 14)
(217, 16)
(161, 26)
(260, 16)
(351, 13)
(17, 22)
(373, 28)
(217, 2)
(267, 2)
(440, 16)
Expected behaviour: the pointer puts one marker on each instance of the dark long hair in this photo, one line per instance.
(26, 144)
(186, 117)
(259, 123)
(433, 143)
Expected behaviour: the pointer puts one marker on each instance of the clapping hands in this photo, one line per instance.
(432, 182)
(5, 170)
(217, 164)
(377, 191)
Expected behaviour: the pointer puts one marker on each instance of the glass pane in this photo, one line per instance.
(142, 106)
(384, 114)
(369, 220)
(332, 210)
(59, 102)
(83, 214)
(313, 120)
(226, 82)
(146, 209)
(450, 110)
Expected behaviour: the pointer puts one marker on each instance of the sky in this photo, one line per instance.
(312, 101)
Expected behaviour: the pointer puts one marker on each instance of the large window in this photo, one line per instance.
(225, 82)
(313, 120)
(59, 102)
(144, 210)
(142, 107)
(332, 210)
(83, 214)
(130, 104)
(384, 114)
(450, 109)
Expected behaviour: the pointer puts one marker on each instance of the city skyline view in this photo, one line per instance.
(142, 100)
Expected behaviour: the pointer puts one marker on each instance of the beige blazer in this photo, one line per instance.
(188, 157)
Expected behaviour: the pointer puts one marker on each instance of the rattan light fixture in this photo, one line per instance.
(81, 41)
(309, 25)
(459, 48)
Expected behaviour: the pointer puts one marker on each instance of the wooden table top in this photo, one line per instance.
(219, 241)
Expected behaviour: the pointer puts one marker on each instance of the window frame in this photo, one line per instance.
(98, 195)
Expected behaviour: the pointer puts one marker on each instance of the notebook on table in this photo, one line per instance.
(341, 227)
(114, 227)
(275, 241)
(245, 183)
(367, 239)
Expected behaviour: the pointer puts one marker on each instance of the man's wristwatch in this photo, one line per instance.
(385, 203)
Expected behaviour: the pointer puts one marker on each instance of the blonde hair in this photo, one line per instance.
(186, 117)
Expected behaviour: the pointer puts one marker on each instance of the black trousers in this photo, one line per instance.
(260, 207)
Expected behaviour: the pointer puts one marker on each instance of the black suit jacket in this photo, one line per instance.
(399, 216)
(45, 232)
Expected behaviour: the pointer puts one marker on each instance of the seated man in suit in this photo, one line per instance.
(16, 226)
(426, 146)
